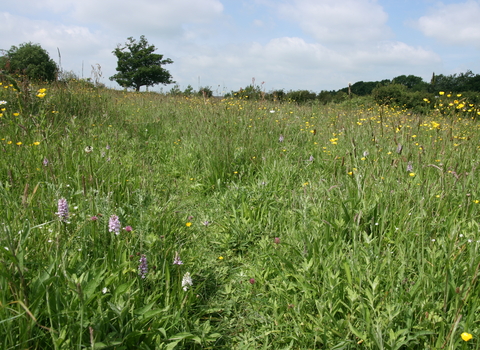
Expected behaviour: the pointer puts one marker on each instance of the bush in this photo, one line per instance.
(301, 96)
(30, 60)
(392, 94)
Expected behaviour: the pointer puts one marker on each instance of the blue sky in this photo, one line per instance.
(287, 44)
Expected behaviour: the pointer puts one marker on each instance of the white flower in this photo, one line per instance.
(89, 149)
(104, 290)
(3, 102)
(186, 281)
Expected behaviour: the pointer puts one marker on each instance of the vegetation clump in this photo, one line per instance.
(160, 221)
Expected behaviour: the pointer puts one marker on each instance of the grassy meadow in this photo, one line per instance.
(145, 221)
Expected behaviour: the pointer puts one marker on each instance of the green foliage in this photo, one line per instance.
(361, 88)
(139, 66)
(30, 60)
(329, 237)
(205, 91)
(301, 96)
(412, 82)
(391, 94)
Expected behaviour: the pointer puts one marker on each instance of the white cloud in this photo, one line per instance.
(453, 24)
(348, 40)
(72, 38)
(338, 21)
(292, 63)
(142, 16)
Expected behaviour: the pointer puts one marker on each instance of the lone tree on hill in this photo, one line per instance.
(30, 60)
(138, 65)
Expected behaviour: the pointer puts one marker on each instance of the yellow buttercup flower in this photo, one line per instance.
(441, 93)
(188, 224)
(466, 336)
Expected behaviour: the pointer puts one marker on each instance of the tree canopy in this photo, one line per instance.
(139, 66)
(31, 60)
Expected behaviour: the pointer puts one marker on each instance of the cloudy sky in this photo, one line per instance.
(286, 44)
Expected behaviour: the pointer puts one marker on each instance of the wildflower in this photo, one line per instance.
(62, 209)
(188, 224)
(94, 218)
(441, 93)
(186, 281)
(128, 228)
(311, 159)
(409, 167)
(281, 138)
(143, 266)
(107, 147)
(104, 290)
(177, 260)
(365, 153)
(206, 223)
(45, 162)
(36, 143)
(3, 103)
(252, 280)
(220, 258)
(412, 174)
(276, 240)
(399, 148)
(19, 143)
(466, 336)
(114, 224)
(88, 149)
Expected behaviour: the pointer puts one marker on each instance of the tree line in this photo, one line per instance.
(138, 65)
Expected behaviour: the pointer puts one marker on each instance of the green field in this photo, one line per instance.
(338, 226)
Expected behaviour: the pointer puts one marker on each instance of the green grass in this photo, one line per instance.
(321, 241)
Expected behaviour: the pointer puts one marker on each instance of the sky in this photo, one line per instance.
(279, 44)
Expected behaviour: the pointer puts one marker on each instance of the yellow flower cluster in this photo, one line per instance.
(41, 93)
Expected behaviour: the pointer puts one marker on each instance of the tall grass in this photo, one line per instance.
(359, 228)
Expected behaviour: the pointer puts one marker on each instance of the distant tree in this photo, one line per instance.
(473, 83)
(30, 60)
(364, 88)
(139, 66)
(412, 82)
(325, 96)
(392, 94)
(301, 96)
